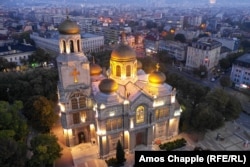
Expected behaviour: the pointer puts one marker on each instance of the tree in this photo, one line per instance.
(148, 64)
(180, 37)
(120, 154)
(201, 71)
(45, 150)
(224, 63)
(13, 135)
(164, 57)
(3, 64)
(225, 104)
(225, 81)
(40, 113)
(39, 57)
(204, 117)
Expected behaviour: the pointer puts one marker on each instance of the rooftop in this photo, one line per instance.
(88, 35)
(243, 60)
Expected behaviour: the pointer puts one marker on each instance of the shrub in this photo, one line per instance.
(169, 146)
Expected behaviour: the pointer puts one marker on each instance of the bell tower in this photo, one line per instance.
(74, 86)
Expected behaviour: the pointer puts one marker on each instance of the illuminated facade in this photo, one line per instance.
(123, 104)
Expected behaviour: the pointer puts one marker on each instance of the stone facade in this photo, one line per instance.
(123, 106)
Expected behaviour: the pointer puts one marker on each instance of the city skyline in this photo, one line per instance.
(143, 3)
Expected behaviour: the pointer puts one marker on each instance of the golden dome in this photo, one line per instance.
(139, 65)
(123, 53)
(108, 86)
(95, 69)
(68, 27)
(157, 77)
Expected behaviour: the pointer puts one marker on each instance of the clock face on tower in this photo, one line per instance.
(75, 74)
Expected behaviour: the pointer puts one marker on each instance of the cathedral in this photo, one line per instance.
(123, 103)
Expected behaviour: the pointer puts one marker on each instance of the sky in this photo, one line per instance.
(131, 2)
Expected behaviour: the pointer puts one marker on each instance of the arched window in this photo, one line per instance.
(74, 103)
(140, 114)
(78, 100)
(118, 71)
(82, 102)
(78, 45)
(64, 46)
(128, 70)
(71, 46)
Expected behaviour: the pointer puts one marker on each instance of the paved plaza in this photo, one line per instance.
(232, 137)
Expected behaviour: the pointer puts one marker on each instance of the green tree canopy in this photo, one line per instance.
(39, 57)
(180, 37)
(45, 150)
(148, 64)
(224, 63)
(21, 86)
(224, 103)
(225, 81)
(204, 117)
(40, 113)
(13, 135)
(201, 71)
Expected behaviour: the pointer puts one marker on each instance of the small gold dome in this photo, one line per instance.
(139, 65)
(123, 53)
(157, 77)
(95, 69)
(108, 86)
(68, 27)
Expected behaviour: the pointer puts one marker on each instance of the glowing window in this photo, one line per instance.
(74, 103)
(128, 70)
(140, 111)
(113, 124)
(76, 118)
(118, 71)
(78, 100)
(161, 113)
(64, 47)
(82, 102)
(78, 45)
(71, 46)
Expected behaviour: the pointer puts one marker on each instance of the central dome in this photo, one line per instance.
(123, 53)
(108, 86)
(68, 27)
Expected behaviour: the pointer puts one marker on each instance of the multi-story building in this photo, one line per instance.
(118, 105)
(89, 42)
(231, 43)
(151, 43)
(85, 23)
(16, 53)
(92, 42)
(240, 73)
(174, 48)
(194, 20)
(204, 52)
(111, 33)
(174, 21)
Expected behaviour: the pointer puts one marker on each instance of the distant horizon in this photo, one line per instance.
(135, 2)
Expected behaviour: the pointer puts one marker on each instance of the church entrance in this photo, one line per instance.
(81, 137)
(140, 138)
